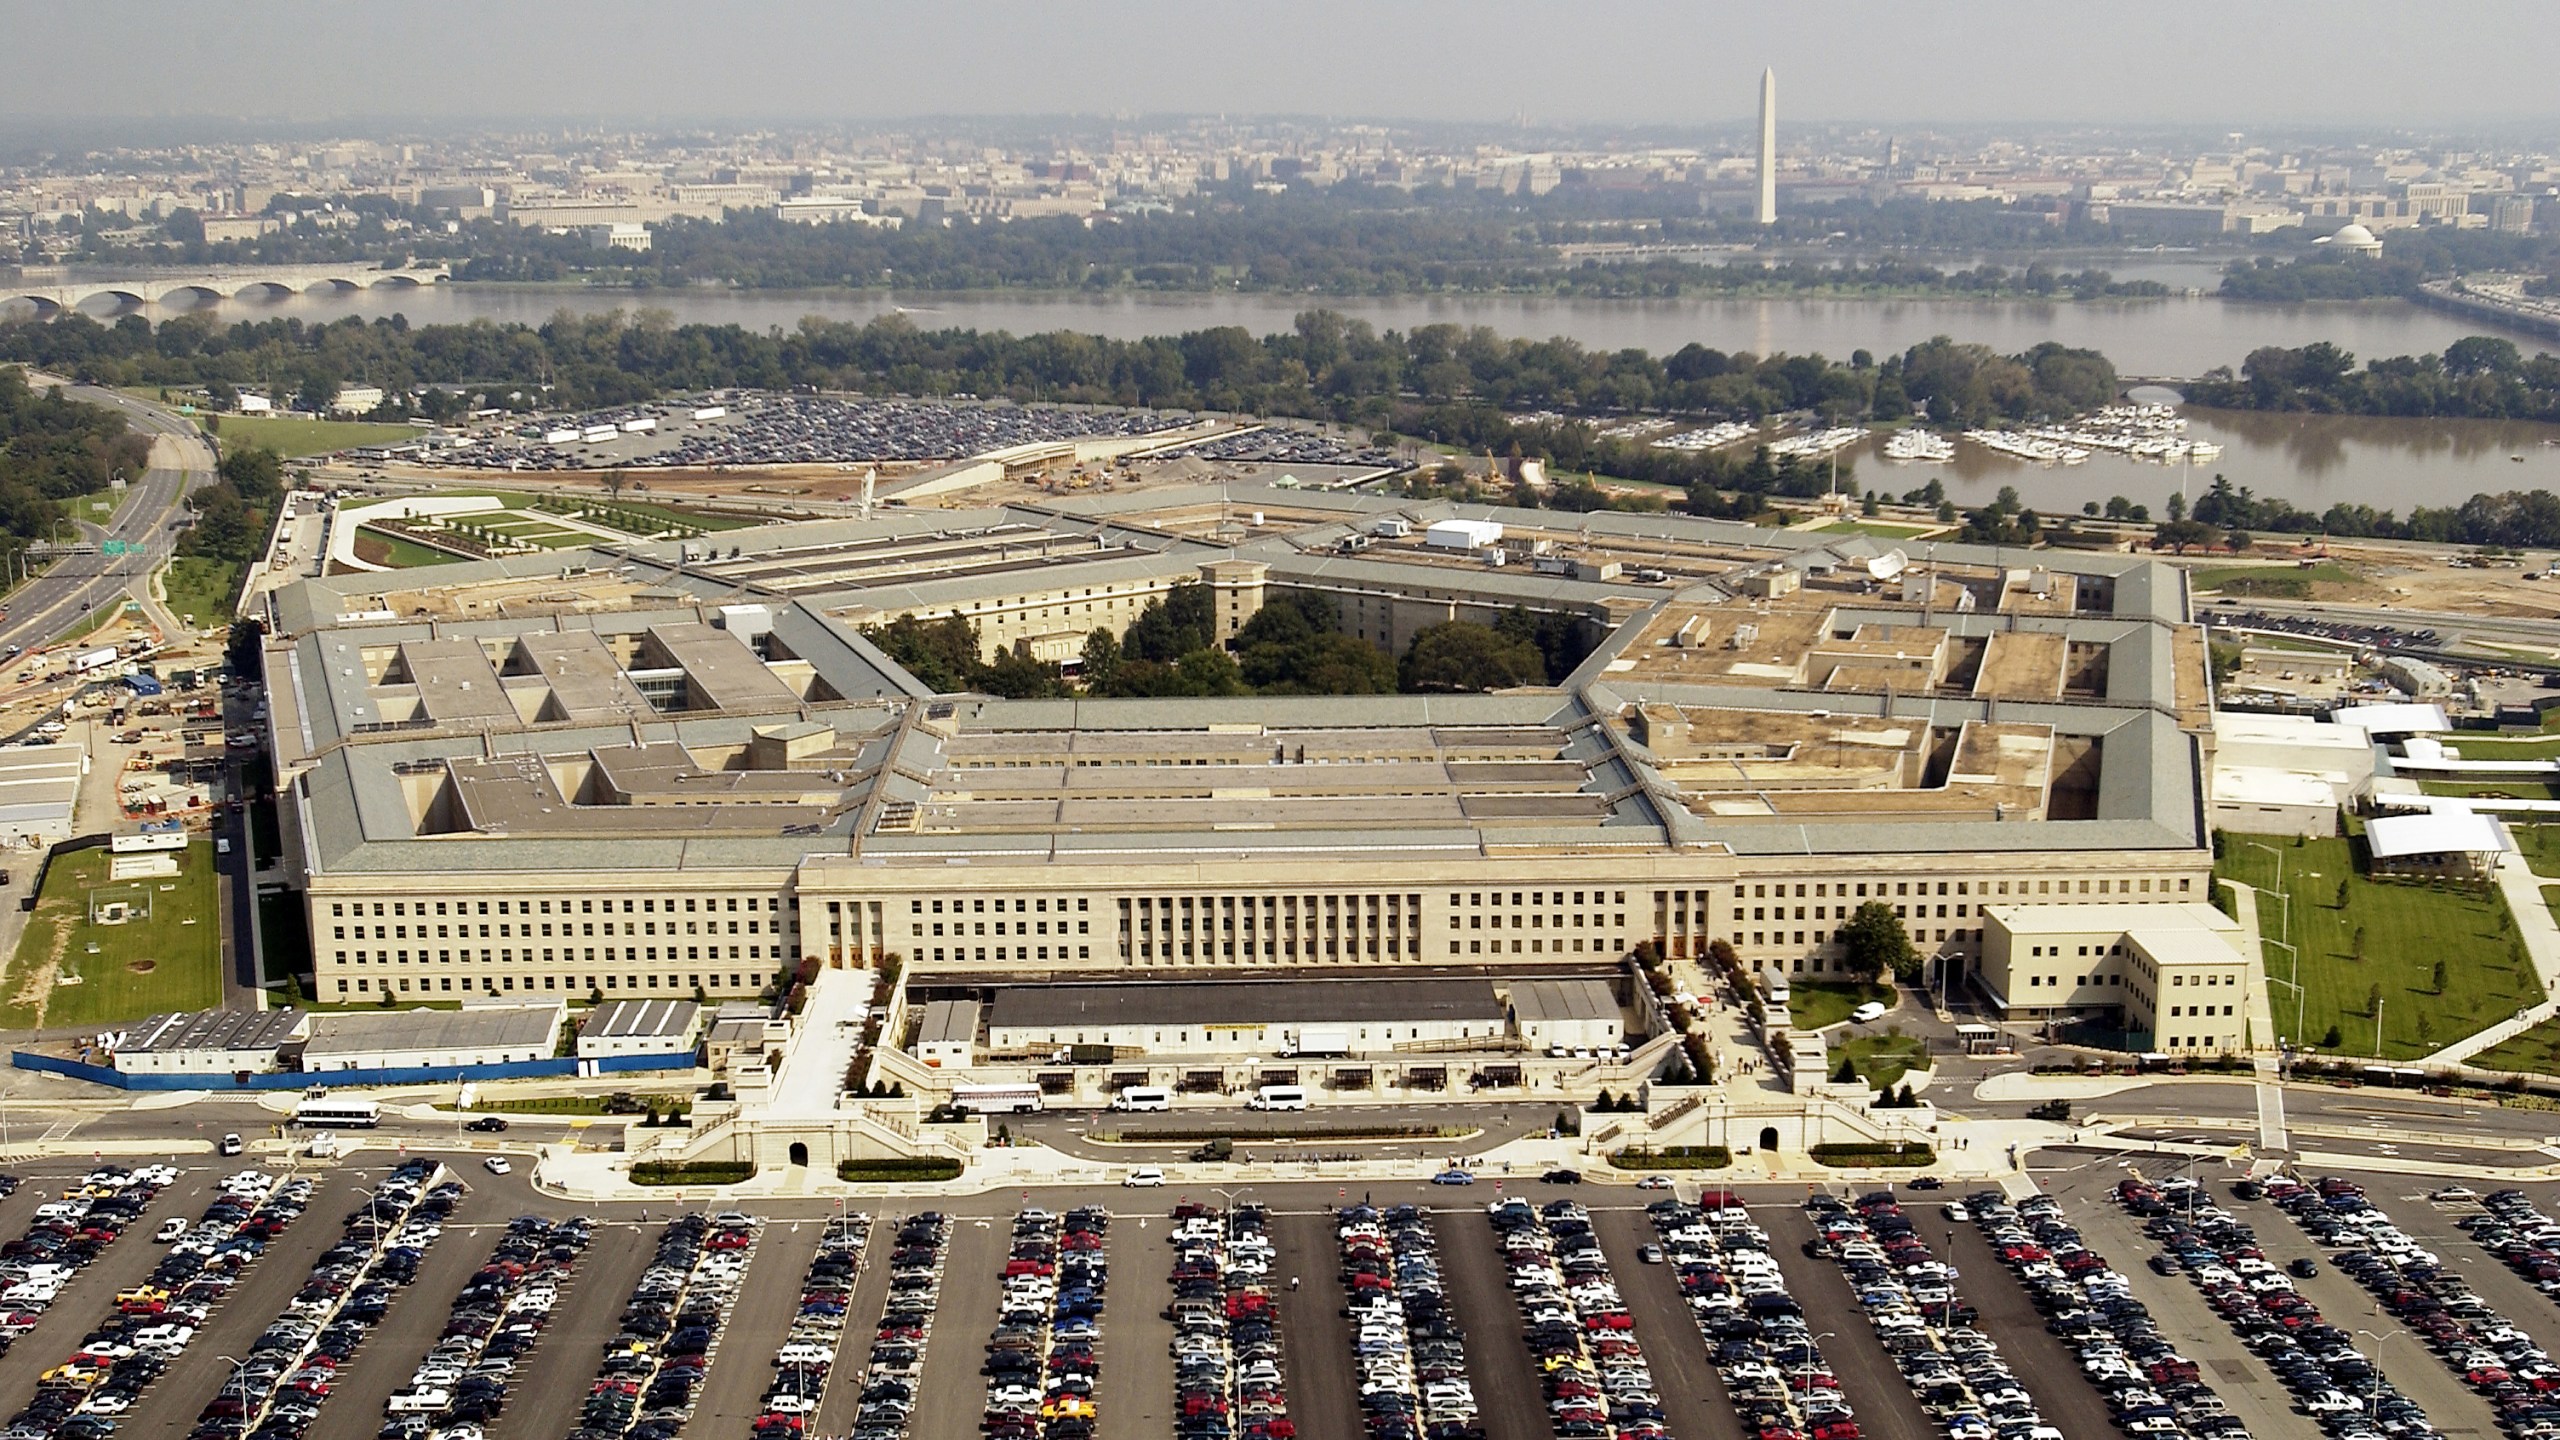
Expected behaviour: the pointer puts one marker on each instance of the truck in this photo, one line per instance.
(1312, 1041)
(641, 426)
(88, 660)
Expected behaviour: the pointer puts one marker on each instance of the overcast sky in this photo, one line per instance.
(2209, 63)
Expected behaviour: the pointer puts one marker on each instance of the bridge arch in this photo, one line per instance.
(195, 293)
(125, 298)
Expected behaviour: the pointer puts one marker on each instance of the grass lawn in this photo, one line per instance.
(2493, 747)
(202, 587)
(292, 437)
(398, 551)
(2278, 581)
(579, 1104)
(1881, 529)
(2536, 1051)
(2406, 927)
(1815, 1004)
(2513, 787)
(1882, 1059)
(172, 961)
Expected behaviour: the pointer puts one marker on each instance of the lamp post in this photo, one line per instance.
(2284, 897)
(2378, 1342)
(2299, 1001)
(239, 1382)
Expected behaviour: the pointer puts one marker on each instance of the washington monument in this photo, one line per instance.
(1768, 147)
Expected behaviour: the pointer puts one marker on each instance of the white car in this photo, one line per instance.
(1867, 1014)
(170, 1229)
(1144, 1177)
(497, 1165)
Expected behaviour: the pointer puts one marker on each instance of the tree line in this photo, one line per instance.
(1294, 645)
(1325, 366)
(54, 450)
(2478, 376)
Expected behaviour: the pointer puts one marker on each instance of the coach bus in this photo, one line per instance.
(996, 1099)
(334, 1112)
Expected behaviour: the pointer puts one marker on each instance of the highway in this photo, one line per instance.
(58, 600)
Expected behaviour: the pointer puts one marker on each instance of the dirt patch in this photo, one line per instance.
(372, 549)
(142, 967)
(35, 987)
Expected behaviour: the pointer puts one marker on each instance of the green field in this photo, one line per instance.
(2516, 787)
(2536, 1051)
(1880, 529)
(202, 587)
(1880, 1060)
(646, 513)
(292, 437)
(2497, 747)
(172, 961)
(1815, 1004)
(2407, 927)
(2276, 581)
(399, 551)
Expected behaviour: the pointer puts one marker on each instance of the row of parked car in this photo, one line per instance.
(653, 1366)
(2429, 1298)
(2316, 1361)
(1228, 1383)
(66, 1236)
(2523, 1238)
(808, 1349)
(276, 1390)
(1909, 1295)
(1756, 1334)
(2151, 1388)
(1405, 1337)
(917, 1252)
(496, 1318)
(1041, 1364)
(154, 1320)
(1576, 1324)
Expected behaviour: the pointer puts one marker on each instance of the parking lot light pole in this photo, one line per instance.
(239, 1382)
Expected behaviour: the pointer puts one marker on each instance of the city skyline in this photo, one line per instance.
(1631, 64)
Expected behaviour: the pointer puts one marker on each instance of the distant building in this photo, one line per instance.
(357, 400)
(2172, 977)
(616, 235)
(482, 1032)
(638, 1027)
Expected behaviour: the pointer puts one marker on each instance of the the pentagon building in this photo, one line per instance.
(677, 767)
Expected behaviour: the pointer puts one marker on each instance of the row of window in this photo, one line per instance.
(500, 984)
(506, 955)
(2193, 1011)
(341, 909)
(507, 929)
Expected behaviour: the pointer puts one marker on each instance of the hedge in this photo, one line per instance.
(1672, 1157)
(897, 1169)
(1307, 1132)
(691, 1172)
(1909, 1155)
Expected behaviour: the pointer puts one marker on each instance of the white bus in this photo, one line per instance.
(996, 1099)
(337, 1112)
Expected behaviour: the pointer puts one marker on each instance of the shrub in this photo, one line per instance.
(691, 1172)
(897, 1169)
(1671, 1157)
(1908, 1154)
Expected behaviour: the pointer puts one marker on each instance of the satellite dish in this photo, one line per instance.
(1889, 565)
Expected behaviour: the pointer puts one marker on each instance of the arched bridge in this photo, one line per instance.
(54, 296)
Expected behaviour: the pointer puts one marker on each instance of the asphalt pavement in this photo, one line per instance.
(1499, 1365)
(742, 1364)
(1886, 1407)
(1694, 1401)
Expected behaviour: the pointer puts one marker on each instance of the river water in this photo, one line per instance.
(2312, 460)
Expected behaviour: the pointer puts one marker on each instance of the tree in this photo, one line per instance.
(2343, 893)
(2437, 976)
(1459, 655)
(1874, 944)
(2355, 944)
(1186, 619)
(1101, 660)
(2373, 1001)
(2180, 535)
(254, 471)
(2330, 1039)
(1845, 1073)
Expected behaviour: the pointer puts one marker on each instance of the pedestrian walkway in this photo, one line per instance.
(2265, 1060)
(2541, 936)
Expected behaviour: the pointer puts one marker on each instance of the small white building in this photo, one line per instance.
(1574, 1014)
(357, 400)
(638, 1027)
(2173, 972)
(209, 1042)
(2257, 800)
(1463, 534)
(2446, 841)
(948, 1035)
(480, 1033)
(256, 404)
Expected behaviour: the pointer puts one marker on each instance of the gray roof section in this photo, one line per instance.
(644, 1019)
(949, 1022)
(255, 1031)
(1563, 1000)
(482, 1027)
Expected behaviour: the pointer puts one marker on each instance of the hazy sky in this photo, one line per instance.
(2211, 63)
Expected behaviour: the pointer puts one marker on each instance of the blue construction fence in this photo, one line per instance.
(246, 1080)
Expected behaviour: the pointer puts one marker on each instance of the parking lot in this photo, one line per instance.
(784, 1295)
